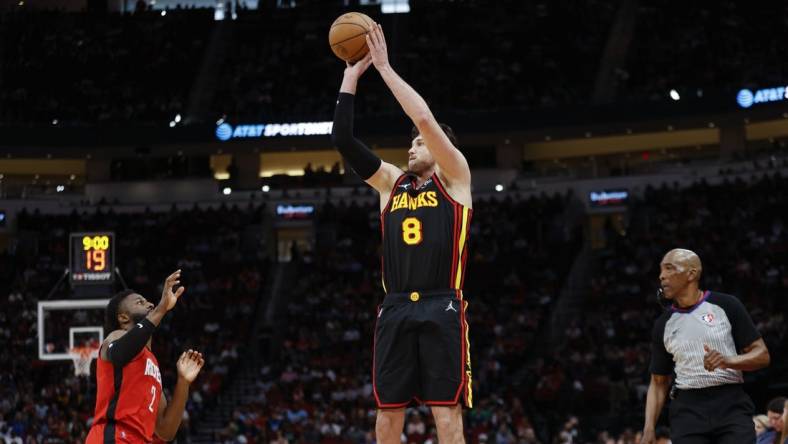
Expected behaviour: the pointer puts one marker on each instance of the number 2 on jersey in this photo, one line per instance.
(411, 231)
(152, 397)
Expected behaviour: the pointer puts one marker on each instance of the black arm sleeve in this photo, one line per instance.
(742, 327)
(363, 161)
(125, 348)
(661, 360)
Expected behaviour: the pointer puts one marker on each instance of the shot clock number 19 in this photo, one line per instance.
(92, 258)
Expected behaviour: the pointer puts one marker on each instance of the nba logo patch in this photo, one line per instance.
(708, 318)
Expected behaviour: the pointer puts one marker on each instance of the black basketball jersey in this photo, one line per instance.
(425, 237)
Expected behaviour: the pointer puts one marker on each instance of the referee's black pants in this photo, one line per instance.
(713, 415)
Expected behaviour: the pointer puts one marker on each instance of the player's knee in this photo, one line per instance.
(445, 422)
(384, 425)
(447, 418)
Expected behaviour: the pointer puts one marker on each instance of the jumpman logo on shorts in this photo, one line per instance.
(450, 307)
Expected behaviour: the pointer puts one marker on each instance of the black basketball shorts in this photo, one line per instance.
(713, 415)
(421, 350)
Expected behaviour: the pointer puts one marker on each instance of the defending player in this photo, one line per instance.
(130, 405)
(421, 337)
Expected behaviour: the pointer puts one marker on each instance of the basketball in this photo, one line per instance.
(347, 36)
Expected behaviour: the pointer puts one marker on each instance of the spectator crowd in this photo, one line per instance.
(273, 64)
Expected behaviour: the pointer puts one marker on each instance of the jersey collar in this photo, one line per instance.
(676, 309)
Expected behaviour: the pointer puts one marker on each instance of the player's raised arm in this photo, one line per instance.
(378, 174)
(170, 414)
(453, 165)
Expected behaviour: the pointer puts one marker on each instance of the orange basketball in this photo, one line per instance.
(347, 36)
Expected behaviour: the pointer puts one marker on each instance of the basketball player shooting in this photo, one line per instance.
(130, 405)
(421, 338)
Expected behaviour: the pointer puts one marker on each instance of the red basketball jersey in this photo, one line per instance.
(127, 403)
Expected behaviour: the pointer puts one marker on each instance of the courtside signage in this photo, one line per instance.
(608, 198)
(295, 211)
(225, 131)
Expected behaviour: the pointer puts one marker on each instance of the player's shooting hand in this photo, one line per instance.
(713, 359)
(358, 68)
(168, 296)
(189, 365)
(376, 43)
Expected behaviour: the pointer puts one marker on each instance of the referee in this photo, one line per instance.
(707, 339)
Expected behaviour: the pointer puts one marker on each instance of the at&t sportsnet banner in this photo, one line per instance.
(225, 131)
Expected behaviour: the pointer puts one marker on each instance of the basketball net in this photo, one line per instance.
(82, 356)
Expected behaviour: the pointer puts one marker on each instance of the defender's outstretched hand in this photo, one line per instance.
(189, 365)
(376, 42)
(168, 296)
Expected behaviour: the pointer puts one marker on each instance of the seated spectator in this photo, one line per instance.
(763, 432)
(774, 412)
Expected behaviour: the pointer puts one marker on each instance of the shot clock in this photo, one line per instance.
(92, 258)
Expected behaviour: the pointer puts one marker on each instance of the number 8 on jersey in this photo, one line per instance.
(411, 231)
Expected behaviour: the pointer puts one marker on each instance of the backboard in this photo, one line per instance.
(67, 324)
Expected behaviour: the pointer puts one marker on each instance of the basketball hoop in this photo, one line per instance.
(82, 356)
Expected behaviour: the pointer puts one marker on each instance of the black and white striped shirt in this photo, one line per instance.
(717, 320)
